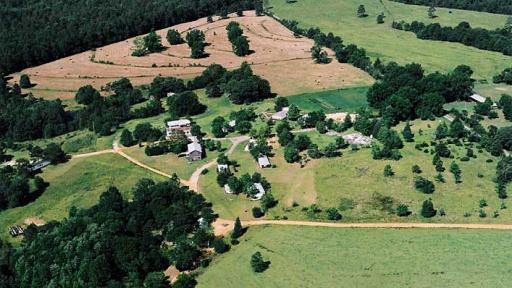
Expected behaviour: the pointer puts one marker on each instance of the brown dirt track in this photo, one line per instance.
(279, 57)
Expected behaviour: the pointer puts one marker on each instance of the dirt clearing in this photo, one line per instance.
(278, 56)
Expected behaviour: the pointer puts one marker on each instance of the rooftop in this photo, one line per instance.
(194, 147)
(478, 98)
(261, 191)
(176, 123)
(263, 161)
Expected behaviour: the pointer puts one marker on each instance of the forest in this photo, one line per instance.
(499, 40)
(60, 28)
(492, 6)
(114, 243)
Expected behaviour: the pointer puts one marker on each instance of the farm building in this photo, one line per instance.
(261, 191)
(194, 151)
(263, 161)
(170, 94)
(182, 125)
(281, 115)
(222, 167)
(38, 165)
(357, 139)
(227, 189)
(481, 99)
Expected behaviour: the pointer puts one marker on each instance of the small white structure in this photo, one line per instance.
(263, 161)
(232, 123)
(38, 165)
(477, 98)
(357, 139)
(194, 151)
(222, 167)
(252, 143)
(183, 125)
(170, 94)
(227, 189)
(261, 191)
(281, 115)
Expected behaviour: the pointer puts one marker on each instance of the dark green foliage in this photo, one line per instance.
(427, 209)
(442, 131)
(86, 95)
(15, 187)
(237, 229)
(258, 264)
(196, 42)
(311, 119)
(504, 170)
(146, 132)
(238, 40)
(416, 169)
(177, 144)
(319, 56)
(492, 6)
(153, 108)
(153, 42)
(407, 133)
(257, 212)
(402, 210)
(442, 150)
(213, 90)
(25, 81)
(268, 201)
(163, 85)
(493, 40)
(302, 142)
(333, 214)
(184, 281)
(54, 153)
(248, 90)
(156, 280)
(280, 103)
(424, 185)
(185, 104)
(484, 108)
(291, 154)
(220, 245)
(388, 171)
(504, 77)
(331, 151)
(361, 11)
(126, 138)
(218, 127)
(380, 18)
(115, 241)
(25, 40)
(174, 37)
(455, 170)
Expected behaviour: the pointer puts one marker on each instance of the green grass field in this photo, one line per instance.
(347, 100)
(382, 41)
(326, 257)
(78, 182)
(357, 177)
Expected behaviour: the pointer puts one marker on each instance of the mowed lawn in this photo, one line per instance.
(382, 41)
(79, 183)
(327, 257)
(346, 100)
(356, 178)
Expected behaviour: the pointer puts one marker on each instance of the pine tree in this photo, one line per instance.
(454, 168)
(258, 264)
(431, 12)
(25, 81)
(388, 171)
(237, 229)
(407, 133)
(126, 138)
(427, 209)
(361, 11)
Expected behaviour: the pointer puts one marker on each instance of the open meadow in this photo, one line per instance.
(278, 56)
(355, 184)
(329, 257)
(79, 183)
(340, 18)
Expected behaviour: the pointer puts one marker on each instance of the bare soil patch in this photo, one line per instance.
(278, 56)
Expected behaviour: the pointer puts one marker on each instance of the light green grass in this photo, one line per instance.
(493, 90)
(78, 182)
(347, 100)
(356, 176)
(382, 41)
(171, 163)
(326, 257)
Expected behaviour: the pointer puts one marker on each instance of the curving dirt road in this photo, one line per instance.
(84, 155)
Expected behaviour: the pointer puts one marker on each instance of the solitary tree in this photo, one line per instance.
(174, 37)
(126, 138)
(380, 18)
(388, 171)
(427, 209)
(237, 229)
(258, 264)
(431, 12)
(361, 11)
(402, 210)
(153, 42)
(407, 133)
(25, 81)
(455, 170)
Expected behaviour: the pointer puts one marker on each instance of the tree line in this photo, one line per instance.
(238, 40)
(119, 243)
(27, 38)
(499, 40)
(492, 6)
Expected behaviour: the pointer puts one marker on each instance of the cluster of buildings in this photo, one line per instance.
(194, 149)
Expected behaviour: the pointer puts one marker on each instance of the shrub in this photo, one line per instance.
(220, 246)
(427, 209)
(402, 210)
(258, 264)
(333, 214)
(424, 185)
(257, 212)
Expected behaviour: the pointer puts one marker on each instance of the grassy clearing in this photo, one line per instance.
(382, 41)
(357, 177)
(347, 100)
(365, 258)
(493, 90)
(78, 182)
(171, 163)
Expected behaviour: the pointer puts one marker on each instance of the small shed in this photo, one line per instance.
(263, 161)
(194, 152)
(170, 94)
(222, 167)
(227, 189)
(281, 115)
(38, 165)
(261, 191)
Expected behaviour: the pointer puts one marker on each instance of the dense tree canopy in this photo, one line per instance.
(499, 40)
(493, 6)
(27, 40)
